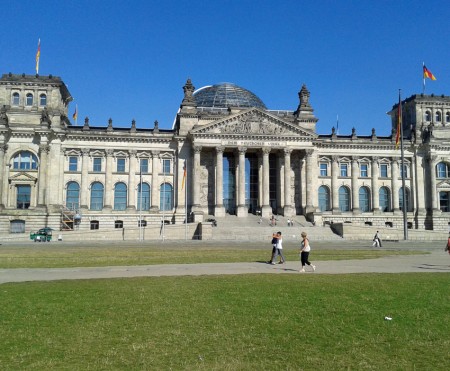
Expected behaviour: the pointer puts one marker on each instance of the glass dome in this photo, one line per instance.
(226, 95)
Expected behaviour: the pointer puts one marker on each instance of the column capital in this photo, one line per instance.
(85, 152)
(220, 149)
(109, 152)
(3, 148)
(266, 150)
(431, 159)
(132, 152)
(287, 151)
(375, 160)
(242, 150)
(309, 153)
(44, 148)
(335, 158)
(197, 148)
(155, 154)
(395, 160)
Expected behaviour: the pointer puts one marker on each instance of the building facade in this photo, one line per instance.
(226, 154)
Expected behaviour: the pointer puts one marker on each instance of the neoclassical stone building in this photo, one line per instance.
(227, 153)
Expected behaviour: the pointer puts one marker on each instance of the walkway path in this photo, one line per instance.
(436, 261)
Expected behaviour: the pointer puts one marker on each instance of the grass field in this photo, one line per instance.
(247, 322)
(57, 256)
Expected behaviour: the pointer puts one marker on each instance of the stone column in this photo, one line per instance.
(108, 180)
(288, 210)
(420, 184)
(84, 202)
(4, 172)
(242, 209)
(334, 184)
(155, 181)
(43, 166)
(395, 185)
(196, 177)
(219, 209)
(355, 188)
(433, 191)
(266, 210)
(375, 190)
(311, 180)
(132, 180)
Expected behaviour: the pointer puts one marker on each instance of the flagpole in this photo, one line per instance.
(423, 76)
(164, 207)
(405, 201)
(38, 55)
(140, 203)
(185, 200)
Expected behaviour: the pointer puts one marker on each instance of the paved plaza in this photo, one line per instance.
(434, 260)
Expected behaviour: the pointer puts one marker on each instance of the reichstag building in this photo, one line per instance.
(226, 154)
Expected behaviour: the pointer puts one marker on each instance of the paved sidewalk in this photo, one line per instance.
(435, 262)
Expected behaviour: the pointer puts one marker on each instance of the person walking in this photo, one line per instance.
(304, 253)
(278, 250)
(376, 240)
(274, 248)
(447, 248)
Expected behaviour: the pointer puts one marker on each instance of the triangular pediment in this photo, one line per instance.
(253, 122)
(444, 184)
(22, 177)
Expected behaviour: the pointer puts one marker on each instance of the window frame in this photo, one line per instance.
(166, 166)
(121, 165)
(382, 173)
(97, 164)
(29, 99)
(344, 170)
(364, 171)
(323, 169)
(73, 163)
(15, 99)
(43, 98)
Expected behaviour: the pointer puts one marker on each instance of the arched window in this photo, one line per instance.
(96, 196)
(438, 116)
(408, 199)
(444, 201)
(324, 198)
(143, 197)
(42, 100)
(447, 117)
(427, 116)
(165, 197)
(73, 196)
(344, 199)
(364, 199)
(120, 196)
(442, 170)
(385, 199)
(29, 101)
(25, 160)
(15, 99)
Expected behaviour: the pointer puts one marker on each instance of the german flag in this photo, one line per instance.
(427, 73)
(38, 55)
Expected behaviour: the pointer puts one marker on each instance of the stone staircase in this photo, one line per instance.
(253, 228)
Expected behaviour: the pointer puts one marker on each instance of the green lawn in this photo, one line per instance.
(245, 322)
(59, 256)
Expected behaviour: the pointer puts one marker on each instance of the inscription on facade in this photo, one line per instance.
(252, 143)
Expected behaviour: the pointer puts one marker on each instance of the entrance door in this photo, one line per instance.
(251, 183)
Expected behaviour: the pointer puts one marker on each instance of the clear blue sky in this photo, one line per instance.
(130, 59)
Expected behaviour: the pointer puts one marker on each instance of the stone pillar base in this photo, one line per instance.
(337, 212)
(197, 216)
(219, 211)
(309, 209)
(356, 211)
(288, 211)
(242, 211)
(266, 212)
(107, 209)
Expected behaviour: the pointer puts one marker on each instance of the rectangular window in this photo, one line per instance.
(323, 169)
(344, 170)
(405, 169)
(383, 171)
(97, 164)
(73, 163)
(166, 166)
(364, 172)
(144, 165)
(120, 165)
